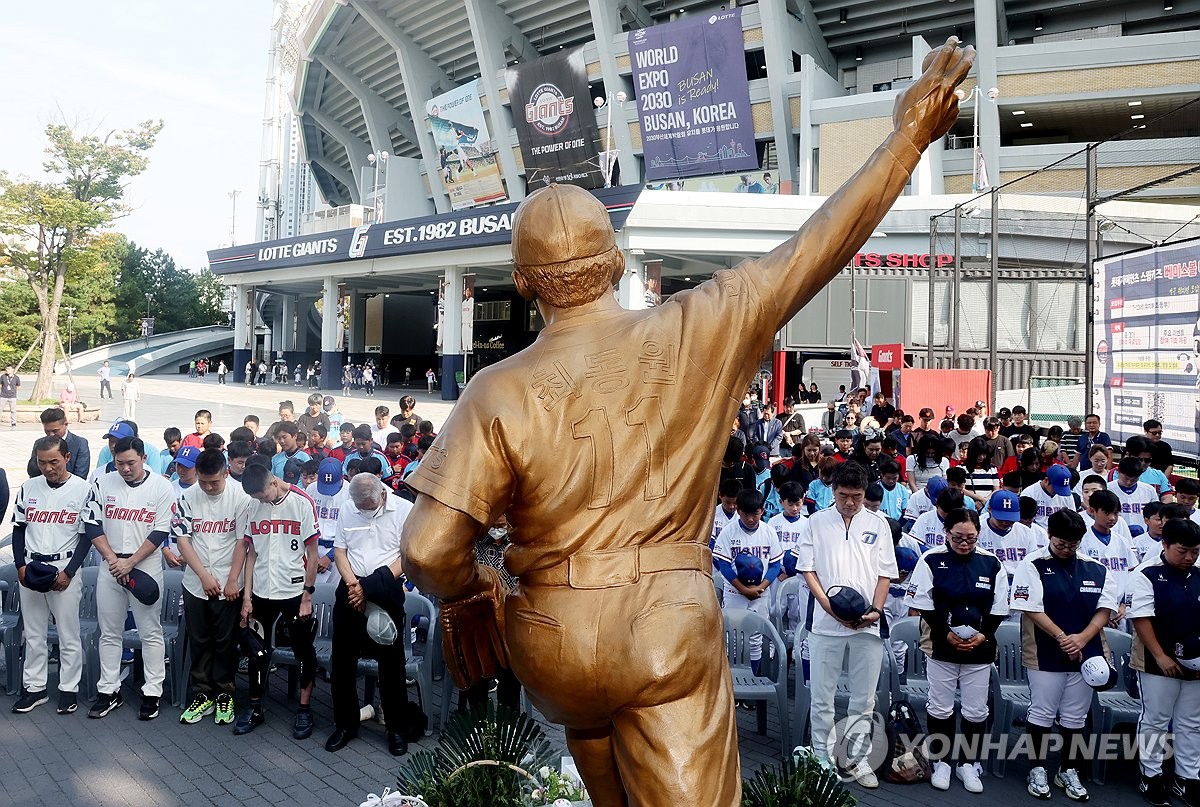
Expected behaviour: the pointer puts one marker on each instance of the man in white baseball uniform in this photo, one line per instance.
(128, 516)
(281, 566)
(209, 528)
(1053, 493)
(48, 532)
(329, 494)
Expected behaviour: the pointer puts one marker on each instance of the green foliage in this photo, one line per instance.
(796, 782)
(482, 759)
(179, 299)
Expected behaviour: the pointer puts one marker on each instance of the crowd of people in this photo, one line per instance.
(254, 522)
(969, 523)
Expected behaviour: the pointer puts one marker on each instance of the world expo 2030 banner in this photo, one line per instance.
(556, 125)
(693, 96)
(467, 162)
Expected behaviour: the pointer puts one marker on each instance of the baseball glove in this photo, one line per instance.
(473, 632)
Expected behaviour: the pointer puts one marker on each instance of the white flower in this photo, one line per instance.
(544, 772)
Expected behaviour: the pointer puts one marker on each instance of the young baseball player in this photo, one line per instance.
(128, 517)
(929, 530)
(1132, 493)
(1053, 493)
(208, 528)
(727, 510)
(895, 495)
(329, 494)
(48, 532)
(1002, 534)
(789, 526)
(281, 566)
(746, 534)
(1105, 543)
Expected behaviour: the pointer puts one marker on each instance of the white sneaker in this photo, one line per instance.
(1068, 780)
(940, 778)
(1037, 784)
(969, 776)
(862, 773)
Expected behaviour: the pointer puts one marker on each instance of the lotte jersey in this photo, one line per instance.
(280, 531)
(214, 524)
(129, 513)
(1010, 547)
(51, 514)
(328, 508)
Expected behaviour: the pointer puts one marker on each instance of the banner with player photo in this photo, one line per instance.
(555, 122)
(693, 97)
(1146, 356)
(467, 164)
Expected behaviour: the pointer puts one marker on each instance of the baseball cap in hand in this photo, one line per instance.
(1059, 477)
(142, 586)
(329, 477)
(292, 469)
(1187, 652)
(381, 628)
(120, 430)
(1098, 673)
(847, 604)
(40, 576)
(749, 569)
(187, 456)
(1004, 505)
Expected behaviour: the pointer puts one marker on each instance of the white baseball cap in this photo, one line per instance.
(380, 626)
(1098, 673)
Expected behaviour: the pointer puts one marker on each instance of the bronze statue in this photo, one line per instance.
(598, 441)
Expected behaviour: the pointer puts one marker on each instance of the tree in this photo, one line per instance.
(53, 226)
(179, 299)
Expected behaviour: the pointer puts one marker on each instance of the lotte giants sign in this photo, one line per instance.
(887, 357)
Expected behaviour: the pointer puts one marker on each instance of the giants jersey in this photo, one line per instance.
(1132, 501)
(51, 515)
(280, 532)
(328, 508)
(734, 540)
(1010, 547)
(129, 513)
(214, 524)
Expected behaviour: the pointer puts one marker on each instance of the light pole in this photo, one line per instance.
(979, 178)
(148, 297)
(609, 157)
(70, 332)
(378, 159)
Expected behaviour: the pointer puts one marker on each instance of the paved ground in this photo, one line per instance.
(56, 760)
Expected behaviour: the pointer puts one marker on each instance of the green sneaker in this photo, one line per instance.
(224, 709)
(200, 706)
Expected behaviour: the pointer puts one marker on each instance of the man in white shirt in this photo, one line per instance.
(850, 548)
(1053, 493)
(367, 553)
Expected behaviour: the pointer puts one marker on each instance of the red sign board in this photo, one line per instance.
(887, 357)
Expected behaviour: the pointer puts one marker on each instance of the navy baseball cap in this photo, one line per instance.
(1004, 505)
(1059, 477)
(327, 402)
(187, 456)
(142, 586)
(120, 430)
(292, 469)
(965, 621)
(253, 641)
(847, 604)
(329, 477)
(906, 558)
(40, 576)
(749, 569)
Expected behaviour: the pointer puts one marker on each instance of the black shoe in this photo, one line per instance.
(249, 720)
(302, 729)
(339, 739)
(149, 709)
(105, 704)
(397, 745)
(1188, 790)
(68, 702)
(1154, 790)
(29, 701)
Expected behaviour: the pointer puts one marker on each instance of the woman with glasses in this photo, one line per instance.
(1065, 600)
(961, 591)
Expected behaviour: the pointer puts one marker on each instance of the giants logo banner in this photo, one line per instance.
(556, 124)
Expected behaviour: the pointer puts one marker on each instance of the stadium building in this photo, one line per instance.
(415, 119)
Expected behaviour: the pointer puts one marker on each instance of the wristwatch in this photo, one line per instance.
(310, 589)
(876, 610)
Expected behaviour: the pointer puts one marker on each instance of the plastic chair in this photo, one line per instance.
(779, 604)
(11, 628)
(322, 609)
(739, 627)
(170, 603)
(803, 702)
(1116, 705)
(1013, 682)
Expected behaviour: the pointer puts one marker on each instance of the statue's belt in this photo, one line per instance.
(621, 567)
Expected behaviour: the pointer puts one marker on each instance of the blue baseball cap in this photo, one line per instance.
(187, 456)
(120, 430)
(749, 569)
(1059, 477)
(40, 576)
(329, 477)
(934, 486)
(1004, 505)
(906, 558)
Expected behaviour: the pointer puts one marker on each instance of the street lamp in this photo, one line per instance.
(70, 333)
(377, 159)
(148, 296)
(979, 177)
(610, 157)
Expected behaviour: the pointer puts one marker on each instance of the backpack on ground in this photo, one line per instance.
(906, 761)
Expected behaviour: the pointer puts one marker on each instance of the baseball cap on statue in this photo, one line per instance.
(329, 477)
(120, 430)
(964, 621)
(749, 569)
(560, 223)
(187, 456)
(1059, 478)
(1098, 673)
(1004, 505)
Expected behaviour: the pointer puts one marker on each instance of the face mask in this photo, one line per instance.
(745, 401)
(497, 533)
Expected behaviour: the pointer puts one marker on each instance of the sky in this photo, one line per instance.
(103, 66)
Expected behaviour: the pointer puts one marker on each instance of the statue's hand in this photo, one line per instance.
(473, 633)
(928, 107)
